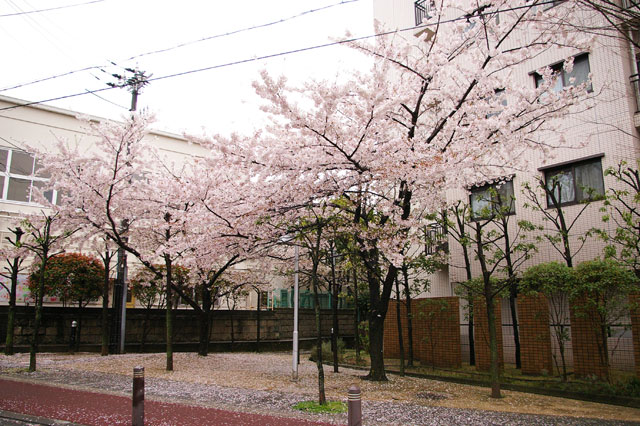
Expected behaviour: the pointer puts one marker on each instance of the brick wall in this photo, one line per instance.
(535, 335)
(481, 334)
(436, 331)
(585, 334)
(391, 343)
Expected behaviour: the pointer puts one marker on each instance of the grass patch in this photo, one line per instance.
(331, 407)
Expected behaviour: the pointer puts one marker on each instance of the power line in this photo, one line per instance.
(230, 33)
(289, 52)
(49, 9)
(255, 27)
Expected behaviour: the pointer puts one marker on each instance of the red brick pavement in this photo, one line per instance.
(97, 409)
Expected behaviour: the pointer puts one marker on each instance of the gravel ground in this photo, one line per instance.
(261, 383)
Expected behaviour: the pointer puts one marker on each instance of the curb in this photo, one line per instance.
(34, 420)
(623, 401)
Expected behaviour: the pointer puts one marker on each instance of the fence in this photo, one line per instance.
(283, 298)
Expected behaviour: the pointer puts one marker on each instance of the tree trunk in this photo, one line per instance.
(38, 318)
(203, 340)
(322, 399)
(79, 328)
(334, 311)
(145, 326)
(376, 336)
(356, 314)
(258, 322)
(169, 314)
(104, 325)
(407, 290)
(233, 337)
(8, 346)
(379, 303)
(399, 322)
(494, 368)
(514, 321)
(472, 345)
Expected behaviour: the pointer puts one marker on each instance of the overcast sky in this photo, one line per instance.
(39, 45)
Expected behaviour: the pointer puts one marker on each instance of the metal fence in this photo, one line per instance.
(283, 298)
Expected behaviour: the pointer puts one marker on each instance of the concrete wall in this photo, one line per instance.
(276, 326)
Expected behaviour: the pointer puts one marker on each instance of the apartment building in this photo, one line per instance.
(599, 137)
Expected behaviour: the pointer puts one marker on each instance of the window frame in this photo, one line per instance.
(558, 67)
(7, 175)
(480, 188)
(570, 166)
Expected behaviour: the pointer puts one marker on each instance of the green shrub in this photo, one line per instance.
(327, 354)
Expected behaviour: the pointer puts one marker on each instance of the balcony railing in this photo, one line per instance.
(635, 85)
(435, 239)
(423, 10)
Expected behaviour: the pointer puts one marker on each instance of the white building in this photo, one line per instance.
(596, 139)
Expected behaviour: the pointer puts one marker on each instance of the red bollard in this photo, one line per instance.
(355, 406)
(137, 418)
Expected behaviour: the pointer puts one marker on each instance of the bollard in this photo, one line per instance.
(137, 418)
(74, 328)
(355, 406)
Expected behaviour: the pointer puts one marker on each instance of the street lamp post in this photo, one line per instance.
(295, 317)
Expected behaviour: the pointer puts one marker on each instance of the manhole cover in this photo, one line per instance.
(431, 396)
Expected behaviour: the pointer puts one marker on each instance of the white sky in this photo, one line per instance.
(39, 45)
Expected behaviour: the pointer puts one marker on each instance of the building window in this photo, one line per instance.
(491, 199)
(497, 102)
(574, 183)
(19, 175)
(577, 76)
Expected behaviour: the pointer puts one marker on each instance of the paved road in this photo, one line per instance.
(98, 409)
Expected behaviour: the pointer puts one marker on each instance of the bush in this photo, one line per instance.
(363, 332)
(327, 354)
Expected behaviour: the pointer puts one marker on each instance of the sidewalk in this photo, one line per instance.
(99, 409)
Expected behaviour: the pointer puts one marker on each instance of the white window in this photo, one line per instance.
(578, 75)
(19, 175)
(574, 183)
(491, 199)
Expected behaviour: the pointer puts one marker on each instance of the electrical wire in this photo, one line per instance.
(28, 12)
(230, 33)
(255, 27)
(289, 52)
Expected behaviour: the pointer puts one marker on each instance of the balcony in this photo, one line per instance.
(435, 239)
(423, 10)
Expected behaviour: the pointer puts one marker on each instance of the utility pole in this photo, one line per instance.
(134, 84)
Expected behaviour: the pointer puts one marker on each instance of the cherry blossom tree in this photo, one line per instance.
(120, 189)
(45, 233)
(429, 116)
(14, 255)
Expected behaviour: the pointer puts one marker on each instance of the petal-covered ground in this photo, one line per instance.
(261, 384)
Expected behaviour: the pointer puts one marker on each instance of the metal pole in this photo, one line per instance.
(355, 406)
(137, 415)
(295, 318)
(123, 307)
